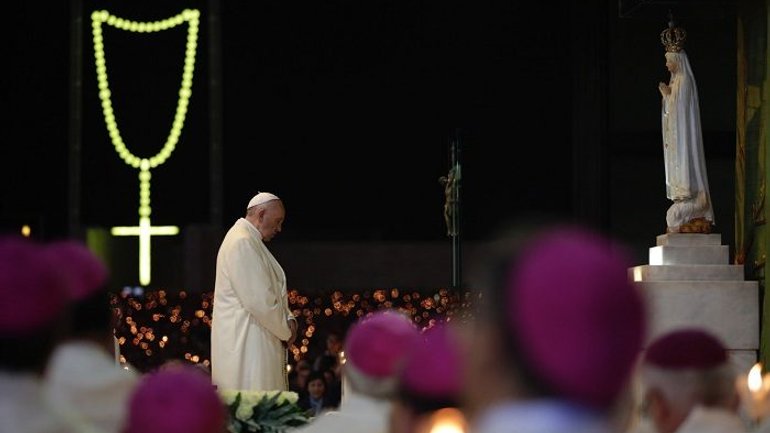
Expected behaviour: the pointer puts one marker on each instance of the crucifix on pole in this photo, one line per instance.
(452, 185)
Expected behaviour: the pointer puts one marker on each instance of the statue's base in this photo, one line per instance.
(689, 282)
(695, 225)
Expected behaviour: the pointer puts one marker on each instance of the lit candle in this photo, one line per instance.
(753, 390)
(754, 380)
(448, 420)
(344, 385)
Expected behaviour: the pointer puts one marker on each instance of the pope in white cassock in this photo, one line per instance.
(251, 319)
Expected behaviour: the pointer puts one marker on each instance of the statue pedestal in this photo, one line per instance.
(690, 282)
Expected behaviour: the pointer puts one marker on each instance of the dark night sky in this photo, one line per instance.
(344, 108)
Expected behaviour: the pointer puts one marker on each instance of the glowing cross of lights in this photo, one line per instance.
(145, 230)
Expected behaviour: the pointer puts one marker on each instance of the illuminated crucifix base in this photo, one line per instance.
(145, 231)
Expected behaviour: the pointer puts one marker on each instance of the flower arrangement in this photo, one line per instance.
(262, 411)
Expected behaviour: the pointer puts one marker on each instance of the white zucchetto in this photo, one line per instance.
(262, 197)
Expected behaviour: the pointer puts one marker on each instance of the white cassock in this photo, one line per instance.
(250, 314)
(83, 382)
(359, 414)
(24, 408)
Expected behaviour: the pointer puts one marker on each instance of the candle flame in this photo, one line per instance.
(446, 427)
(448, 420)
(755, 377)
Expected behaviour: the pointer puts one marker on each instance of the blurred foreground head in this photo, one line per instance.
(558, 319)
(375, 348)
(86, 276)
(176, 399)
(34, 300)
(85, 273)
(430, 384)
(685, 369)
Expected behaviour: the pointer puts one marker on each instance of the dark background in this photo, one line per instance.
(345, 109)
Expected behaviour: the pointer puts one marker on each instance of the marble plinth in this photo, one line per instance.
(690, 282)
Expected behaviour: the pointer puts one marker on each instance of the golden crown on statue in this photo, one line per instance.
(673, 37)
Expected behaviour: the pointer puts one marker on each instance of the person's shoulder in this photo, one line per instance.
(238, 228)
(238, 235)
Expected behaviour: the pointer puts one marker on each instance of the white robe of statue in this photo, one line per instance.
(685, 163)
(250, 314)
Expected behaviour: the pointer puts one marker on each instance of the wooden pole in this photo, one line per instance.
(455, 233)
(215, 112)
(75, 137)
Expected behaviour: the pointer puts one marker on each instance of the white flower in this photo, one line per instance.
(250, 398)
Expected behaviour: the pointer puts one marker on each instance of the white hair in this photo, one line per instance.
(384, 387)
(686, 388)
